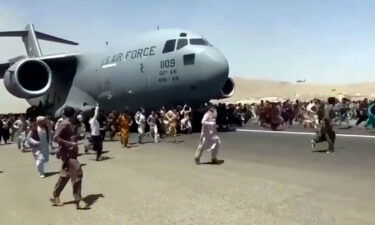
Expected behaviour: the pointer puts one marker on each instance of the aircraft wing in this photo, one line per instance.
(57, 57)
(51, 61)
(60, 61)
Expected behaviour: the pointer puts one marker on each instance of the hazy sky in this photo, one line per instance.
(322, 41)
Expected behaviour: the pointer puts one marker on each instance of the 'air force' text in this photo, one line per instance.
(131, 54)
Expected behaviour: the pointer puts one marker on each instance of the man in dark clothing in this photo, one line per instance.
(221, 115)
(288, 112)
(275, 116)
(103, 126)
(68, 151)
(362, 112)
(5, 130)
(325, 130)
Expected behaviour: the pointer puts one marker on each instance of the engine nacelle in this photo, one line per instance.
(28, 78)
(228, 89)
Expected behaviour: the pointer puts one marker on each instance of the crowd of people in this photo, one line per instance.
(281, 115)
(39, 132)
(183, 119)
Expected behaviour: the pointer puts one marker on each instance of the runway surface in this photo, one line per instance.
(267, 178)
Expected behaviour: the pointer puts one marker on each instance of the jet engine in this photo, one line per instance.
(228, 89)
(28, 78)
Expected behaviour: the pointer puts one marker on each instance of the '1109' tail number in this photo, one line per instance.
(168, 63)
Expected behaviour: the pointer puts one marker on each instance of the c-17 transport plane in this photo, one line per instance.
(161, 68)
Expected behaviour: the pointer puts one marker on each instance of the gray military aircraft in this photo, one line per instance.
(161, 68)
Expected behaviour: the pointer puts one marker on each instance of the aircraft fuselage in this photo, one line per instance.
(161, 68)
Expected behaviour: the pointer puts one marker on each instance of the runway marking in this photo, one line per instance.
(303, 133)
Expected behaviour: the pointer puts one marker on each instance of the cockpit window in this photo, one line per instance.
(181, 43)
(169, 46)
(198, 41)
(208, 43)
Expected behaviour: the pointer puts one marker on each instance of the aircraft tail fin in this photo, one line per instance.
(30, 39)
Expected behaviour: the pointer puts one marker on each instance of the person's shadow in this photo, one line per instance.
(92, 199)
(26, 150)
(319, 151)
(49, 174)
(89, 200)
(104, 158)
(219, 162)
(131, 146)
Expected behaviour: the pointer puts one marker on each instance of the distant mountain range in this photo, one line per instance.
(246, 89)
(256, 88)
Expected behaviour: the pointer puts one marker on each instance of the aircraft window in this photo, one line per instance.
(198, 41)
(189, 59)
(181, 43)
(208, 43)
(169, 46)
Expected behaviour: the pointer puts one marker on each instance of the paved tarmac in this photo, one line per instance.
(267, 178)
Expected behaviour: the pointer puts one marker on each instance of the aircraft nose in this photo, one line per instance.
(215, 65)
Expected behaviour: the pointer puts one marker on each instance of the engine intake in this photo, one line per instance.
(228, 89)
(28, 78)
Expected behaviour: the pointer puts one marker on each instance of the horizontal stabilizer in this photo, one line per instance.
(13, 33)
(30, 38)
(48, 37)
(39, 35)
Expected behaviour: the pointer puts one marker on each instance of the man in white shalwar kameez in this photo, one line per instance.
(20, 128)
(312, 110)
(185, 122)
(39, 139)
(209, 139)
(140, 120)
(152, 121)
